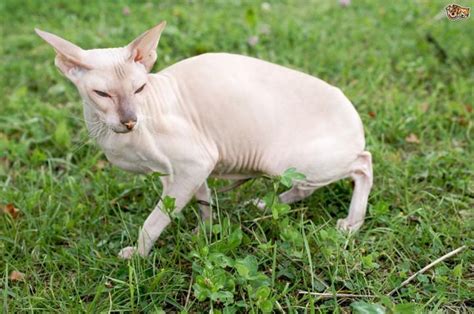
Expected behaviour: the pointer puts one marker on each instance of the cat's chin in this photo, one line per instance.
(121, 131)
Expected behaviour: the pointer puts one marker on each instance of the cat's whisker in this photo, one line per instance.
(96, 129)
(81, 145)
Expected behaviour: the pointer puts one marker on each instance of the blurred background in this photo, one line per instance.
(407, 69)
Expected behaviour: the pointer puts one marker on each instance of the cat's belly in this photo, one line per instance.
(233, 176)
(235, 169)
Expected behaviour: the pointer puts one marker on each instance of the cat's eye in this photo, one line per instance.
(140, 89)
(102, 94)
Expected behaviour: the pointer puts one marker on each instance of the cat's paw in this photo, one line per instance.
(257, 202)
(348, 226)
(127, 252)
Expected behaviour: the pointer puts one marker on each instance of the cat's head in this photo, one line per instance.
(111, 81)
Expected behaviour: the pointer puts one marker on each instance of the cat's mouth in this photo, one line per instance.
(121, 130)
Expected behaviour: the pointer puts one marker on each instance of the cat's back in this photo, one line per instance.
(225, 79)
(248, 89)
(233, 68)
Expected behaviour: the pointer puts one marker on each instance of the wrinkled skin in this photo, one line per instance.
(218, 114)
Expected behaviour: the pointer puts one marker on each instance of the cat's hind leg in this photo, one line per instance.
(361, 173)
(295, 194)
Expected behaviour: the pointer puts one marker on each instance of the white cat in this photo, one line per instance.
(217, 114)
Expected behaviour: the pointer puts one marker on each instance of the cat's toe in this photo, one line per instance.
(257, 202)
(348, 226)
(127, 252)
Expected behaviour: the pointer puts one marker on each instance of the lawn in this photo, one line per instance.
(407, 69)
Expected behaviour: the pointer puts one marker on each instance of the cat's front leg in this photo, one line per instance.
(181, 188)
(155, 223)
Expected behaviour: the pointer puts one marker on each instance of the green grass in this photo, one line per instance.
(77, 211)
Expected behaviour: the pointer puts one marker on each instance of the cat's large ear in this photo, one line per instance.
(69, 57)
(143, 48)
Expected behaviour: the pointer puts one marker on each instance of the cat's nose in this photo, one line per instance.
(130, 124)
(127, 116)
